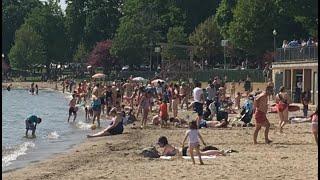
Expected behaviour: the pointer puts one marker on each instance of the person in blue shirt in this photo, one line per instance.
(31, 124)
(247, 111)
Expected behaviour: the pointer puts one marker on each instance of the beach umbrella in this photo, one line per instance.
(99, 76)
(157, 80)
(139, 79)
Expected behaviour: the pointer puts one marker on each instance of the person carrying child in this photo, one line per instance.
(193, 136)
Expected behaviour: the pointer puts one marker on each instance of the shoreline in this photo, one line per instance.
(23, 160)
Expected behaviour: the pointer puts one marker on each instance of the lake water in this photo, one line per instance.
(53, 134)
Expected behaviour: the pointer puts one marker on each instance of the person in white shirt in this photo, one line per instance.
(198, 99)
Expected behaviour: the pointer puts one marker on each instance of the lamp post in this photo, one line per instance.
(150, 44)
(274, 32)
(157, 50)
(224, 43)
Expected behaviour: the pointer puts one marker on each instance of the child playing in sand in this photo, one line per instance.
(193, 136)
(168, 150)
(314, 122)
(31, 124)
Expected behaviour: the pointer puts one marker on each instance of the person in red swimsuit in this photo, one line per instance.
(261, 108)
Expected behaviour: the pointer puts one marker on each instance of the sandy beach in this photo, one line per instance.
(292, 155)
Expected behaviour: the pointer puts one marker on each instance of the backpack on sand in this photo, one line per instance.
(150, 152)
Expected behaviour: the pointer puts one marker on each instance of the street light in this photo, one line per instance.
(150, 44)
(157, 50)
(274, 32)
(224, 43)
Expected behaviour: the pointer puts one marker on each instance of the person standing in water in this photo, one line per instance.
(31, 124)
(32, 89)
(72, 107)
(37, 89)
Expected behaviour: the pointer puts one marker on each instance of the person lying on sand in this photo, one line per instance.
(168, 150)
(116, 126)
(204, 152)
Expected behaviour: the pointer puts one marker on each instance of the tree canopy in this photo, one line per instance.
(135, 27)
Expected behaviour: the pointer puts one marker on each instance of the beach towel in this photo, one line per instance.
(166, 157)
(299, 119)
(196, 157)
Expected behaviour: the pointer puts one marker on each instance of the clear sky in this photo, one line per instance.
(62, 3)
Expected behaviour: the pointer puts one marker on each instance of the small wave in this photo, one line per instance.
(14, 153)
(53, 135)
(83, 125)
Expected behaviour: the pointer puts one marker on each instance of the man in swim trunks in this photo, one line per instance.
(31, 124)
(261, 108)
(72, 107)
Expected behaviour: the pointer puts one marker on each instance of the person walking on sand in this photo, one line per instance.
(193, 136)
(282, 104)
(198, 99)
(261, 107)
(145, 105)
(72, 107)
(31, 124)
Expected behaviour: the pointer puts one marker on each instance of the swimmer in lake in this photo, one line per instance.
(31, 124)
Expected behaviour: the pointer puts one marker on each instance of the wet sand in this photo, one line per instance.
(292, 155)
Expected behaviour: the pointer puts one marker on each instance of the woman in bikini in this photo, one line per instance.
(145, 105)
(175, 100)
(282, 103)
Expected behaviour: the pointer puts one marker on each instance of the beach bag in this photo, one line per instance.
(150, 152)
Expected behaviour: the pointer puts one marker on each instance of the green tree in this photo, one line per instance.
(48, 22)
(252, 25)
(81, 53)
(13, 14)
(206, 38)
(144, 22)
(300, 18)
(102, 20)
(75, 21)
(28, 49)
(224, 16)
(196, 12)
(175, 36)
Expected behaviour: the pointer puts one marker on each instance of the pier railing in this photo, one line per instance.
(307, 53)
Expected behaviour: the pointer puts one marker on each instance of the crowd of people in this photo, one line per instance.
(124, 102)
(301, 43)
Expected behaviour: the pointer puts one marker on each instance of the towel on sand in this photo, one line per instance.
(202, 157)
